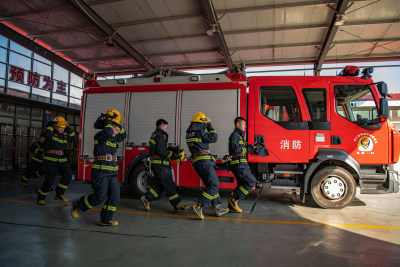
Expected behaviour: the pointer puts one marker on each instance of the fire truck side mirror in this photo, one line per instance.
(384, 107)
(383, 89)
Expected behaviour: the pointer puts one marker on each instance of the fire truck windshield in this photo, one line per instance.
(357, 104)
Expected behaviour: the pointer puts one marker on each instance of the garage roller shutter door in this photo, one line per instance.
(95, 104)
(145, 109)
(220, 105)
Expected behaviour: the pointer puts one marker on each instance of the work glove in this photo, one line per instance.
(68, 130)
(180, 156)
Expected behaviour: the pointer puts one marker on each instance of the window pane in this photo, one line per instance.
(19, 86)
(75, 102)
(358, 104)
(2, 70)
(40, 92)
(279, 103)
(76, 92)
(76, 80)
(7, 109)
(36, 124)
(70, 119)
(3, 55)
(3, 41)
(22, 122)
(60, 97)
(20, 61)
(37, 114)
(40, 58)
(41, 68)
(23, 112)
(20, 49)
(60, 74)
(77, 120)
(6, 120)
(316, 103)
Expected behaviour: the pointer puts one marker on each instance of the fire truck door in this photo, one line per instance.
(357, 125)
(278, 116)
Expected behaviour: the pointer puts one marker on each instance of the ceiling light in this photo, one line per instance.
(212, 31)
(341, 21)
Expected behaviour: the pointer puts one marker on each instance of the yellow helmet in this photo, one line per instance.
(200, 117)
(60, 122)
(114, 116)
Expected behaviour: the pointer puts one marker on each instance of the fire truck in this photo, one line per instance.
(325, 135)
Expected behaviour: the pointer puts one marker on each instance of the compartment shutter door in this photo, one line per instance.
(95, 104)
(145, 109)
(220, 105)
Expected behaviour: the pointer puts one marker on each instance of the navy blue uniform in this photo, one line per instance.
(198, 137)
(104, 171)
(34, 168)
(55, 160)
(160, 154)
(238, 149)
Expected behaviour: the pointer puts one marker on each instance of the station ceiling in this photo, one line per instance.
(135, 36)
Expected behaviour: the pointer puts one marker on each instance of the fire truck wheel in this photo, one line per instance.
(333, 188)
(140, 181)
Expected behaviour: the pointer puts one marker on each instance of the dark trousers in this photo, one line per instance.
(105, 185)
(166, 182)
(245, 179)
(34, 169)
(210, 195)
(51, 170)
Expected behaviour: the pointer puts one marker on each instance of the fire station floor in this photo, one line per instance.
(281, 231)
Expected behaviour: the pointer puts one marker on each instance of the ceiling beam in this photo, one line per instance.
(210, 14)
(92, 16)
(40, 50)
(243, 48)
(330, 35)
(39, 12)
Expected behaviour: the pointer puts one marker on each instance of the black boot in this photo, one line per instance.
(219, 210)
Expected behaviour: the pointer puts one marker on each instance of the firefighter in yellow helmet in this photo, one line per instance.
(104, 169)
(198, 137)
(160, 154)
(57, 135)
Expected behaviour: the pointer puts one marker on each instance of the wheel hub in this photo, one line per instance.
(333, 187)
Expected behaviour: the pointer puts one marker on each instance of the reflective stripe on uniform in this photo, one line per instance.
(109, 126)
(105, 167)
(193, 140)
(156, 161)
(241, 143)
(111, 144)
(207, 195)
(36, 159)
(241, 188)
(237, 161)
(72, 134)
(152, 141)
(87, 203)
(121, 131)
(55, 159)
(37, 173)
(173, 197)
(243, 150)
(216, 195)
(109, 208)
(42, 193)
(50, 128)
(212, 131)
(202, 157)
(59, 140)
(170, 154)
(153, 192)
(23, 177)
(62, 186)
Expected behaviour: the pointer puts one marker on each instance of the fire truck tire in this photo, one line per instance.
(333, 188)
(140, 181)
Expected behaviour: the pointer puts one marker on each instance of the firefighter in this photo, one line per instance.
(160, 154)
(198, 136)
(238, 149)
(57, 135)
(34, 168)
(104, 169)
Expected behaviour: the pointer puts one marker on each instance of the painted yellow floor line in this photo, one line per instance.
(220, 218)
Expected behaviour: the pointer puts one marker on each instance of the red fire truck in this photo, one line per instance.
(325, 135)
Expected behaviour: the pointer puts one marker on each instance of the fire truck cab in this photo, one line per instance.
(324, 135)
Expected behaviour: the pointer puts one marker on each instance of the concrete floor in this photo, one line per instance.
(280, 232)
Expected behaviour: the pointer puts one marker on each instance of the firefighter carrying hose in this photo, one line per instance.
(198, 136)
(238, 149)
(55, 160)
(104, 169)
(160, 154)
(35, 166)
